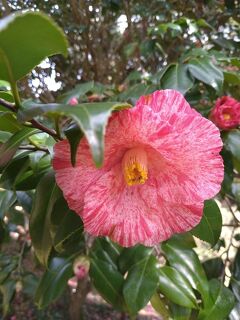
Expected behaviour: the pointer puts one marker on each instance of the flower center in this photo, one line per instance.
(134, 166)
(226, 116)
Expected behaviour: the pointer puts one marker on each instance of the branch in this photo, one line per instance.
(35, 124)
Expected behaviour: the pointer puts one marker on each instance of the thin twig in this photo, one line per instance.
(35, 123)
(34, 148)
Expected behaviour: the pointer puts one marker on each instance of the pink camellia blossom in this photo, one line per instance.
(73, 101)
(226, 113)
(161, 162)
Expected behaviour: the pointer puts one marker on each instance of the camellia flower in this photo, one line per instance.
(226, 113)
(161, 162)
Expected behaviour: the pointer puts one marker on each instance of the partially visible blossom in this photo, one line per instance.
(81, 267)
(226, 113)
(161, 162)
(73, 282)
(73, 101)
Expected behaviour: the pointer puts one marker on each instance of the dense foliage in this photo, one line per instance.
(190, 47)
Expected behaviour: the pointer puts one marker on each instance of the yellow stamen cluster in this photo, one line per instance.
(135, 166)
(226, 116)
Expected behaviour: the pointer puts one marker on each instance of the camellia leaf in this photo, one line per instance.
(176, 287)
(221, 302)
(106, 278)
(54, 281)
(74, 135)
(7, 199)
(177, 77)
(9, 148)
(141, 283)
(204, 70)
(46, 195)
(7, 289)
(90, 117)
(23, 34)
(232, 142)
(186, 261)
(77, 92)
(8, 122)
(159, 305)
(210, 226)
(130, 256)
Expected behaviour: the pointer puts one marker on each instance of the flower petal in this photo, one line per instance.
(130, 215)
(74, 181)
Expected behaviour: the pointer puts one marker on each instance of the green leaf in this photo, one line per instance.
(177, 77)
(107, 280)
(7, 289)
(186, 261)
(221, 302)
(235, 279)
(179, 313)
(80, 90)
(9, 148)
(7, 199)
(210, 226)
(176, 287)
(213, 268)
(204, 70)
(232, 142)
(54, 281)
(130, 256)
(74, 135)
(13, 170)
(159, 305)
(32, 36)
(69, 226)
(6, 95)
(90, 117)
(108, 251)
(46, 195)
(140, 284)
(8, 122)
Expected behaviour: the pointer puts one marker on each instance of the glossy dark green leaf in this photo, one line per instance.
(140, 284)
(7, 96)
(232, 142)
(13, 171)
(90, 117)
(107, 280)
(24, 35)
(213, 268)
(54, 281)
(228, 170)
(46, 195)
(221, 302)
(186, 261)
(204, 70)
(7, 199)
(69, 226)
(176, 287)
(77, 92)
(74, 135)
(108, 251)
(25, 200)
(7, 289)
(8, 122)
(210, 226)
(30, 283)
(177, 77)
(159, 305)
(130, 256)
(9, 148)
(178, 312)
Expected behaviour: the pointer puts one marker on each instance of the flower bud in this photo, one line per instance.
(81, 267)
(73, 101)
(226, 113)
